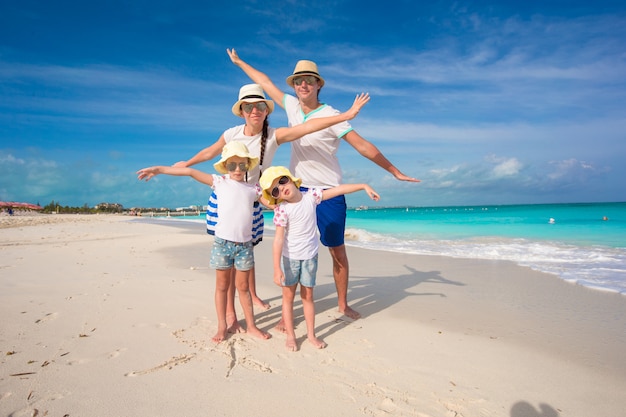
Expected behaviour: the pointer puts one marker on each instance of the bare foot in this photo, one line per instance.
(350, 313)
(233, 325)
(280, 327)
(220, 336)
(255, 331)
(236, 328)
(291, 344)
(261, 304)
(317, 343)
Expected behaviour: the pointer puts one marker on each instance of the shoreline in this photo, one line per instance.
(119, 310)
(565, 272)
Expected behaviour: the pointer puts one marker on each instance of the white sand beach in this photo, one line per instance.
(113, 316)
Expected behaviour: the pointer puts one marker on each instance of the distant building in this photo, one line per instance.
(109, 207)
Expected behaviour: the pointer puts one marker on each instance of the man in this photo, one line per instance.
(313, 159)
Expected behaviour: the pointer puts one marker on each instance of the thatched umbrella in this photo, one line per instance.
(14, 204)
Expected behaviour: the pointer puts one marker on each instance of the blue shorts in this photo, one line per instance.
(258, 221)
(226, 254)
(331, 220)
(297, 271)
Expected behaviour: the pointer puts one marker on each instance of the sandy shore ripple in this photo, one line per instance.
(112, 316)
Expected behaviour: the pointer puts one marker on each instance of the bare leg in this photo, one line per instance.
(241, 281)
(287, 319)
(255, 298)
(306, 293)
(222, 282)
(340, 273)
(231, 315)
(280, 327)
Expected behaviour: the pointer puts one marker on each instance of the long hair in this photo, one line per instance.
(263, 140)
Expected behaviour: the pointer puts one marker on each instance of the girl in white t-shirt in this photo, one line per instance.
(232, 252)
(296, 242)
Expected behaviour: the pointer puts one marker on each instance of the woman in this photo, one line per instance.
(262, 141)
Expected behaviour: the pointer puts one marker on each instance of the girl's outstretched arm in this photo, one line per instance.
(288, 134)
(150, 172)
(348, 189)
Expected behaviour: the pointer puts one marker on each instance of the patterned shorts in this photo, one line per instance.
(226, 254)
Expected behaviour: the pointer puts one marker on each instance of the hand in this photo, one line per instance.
(147, 173)
(233, 56)
(279, 278)
(373, 194)
(360, 101)
(400, 176)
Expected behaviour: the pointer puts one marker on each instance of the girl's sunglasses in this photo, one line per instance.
(232, 166)
(282, 181)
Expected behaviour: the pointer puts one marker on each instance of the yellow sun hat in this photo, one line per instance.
(268, 177)
(231, 149)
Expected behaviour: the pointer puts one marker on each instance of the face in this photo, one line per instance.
(254, 113)
(306, 86)
(237, 167)
(282, 188)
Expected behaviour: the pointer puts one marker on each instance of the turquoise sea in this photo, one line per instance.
(583, 244)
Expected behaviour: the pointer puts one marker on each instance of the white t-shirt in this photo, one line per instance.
(314, 156)
(300, 223)
(235, 208)
(254, 147)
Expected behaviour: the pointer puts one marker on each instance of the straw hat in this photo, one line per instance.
(235, 148)
(268, 177)
(304, 67)
(251, 93)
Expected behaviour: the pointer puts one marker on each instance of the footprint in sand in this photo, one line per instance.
(35, 408)
(78, 361)
(116, 353)
(47, 317)
(111, 355)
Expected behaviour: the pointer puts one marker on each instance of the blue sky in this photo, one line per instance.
(485, 102)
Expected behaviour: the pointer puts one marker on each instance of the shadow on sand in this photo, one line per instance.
(525, 409)
(367, 295)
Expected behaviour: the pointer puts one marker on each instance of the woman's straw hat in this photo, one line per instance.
(251, 93)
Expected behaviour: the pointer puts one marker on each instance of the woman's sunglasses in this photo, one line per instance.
(261, 106)
(282, 181)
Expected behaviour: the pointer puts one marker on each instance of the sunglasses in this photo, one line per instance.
(260, 106)
(232, 166)
(309, 79)
(282, 181)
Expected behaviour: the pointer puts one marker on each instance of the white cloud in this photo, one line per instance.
(505, 167)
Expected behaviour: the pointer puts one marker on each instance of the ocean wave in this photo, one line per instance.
(591, 266)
